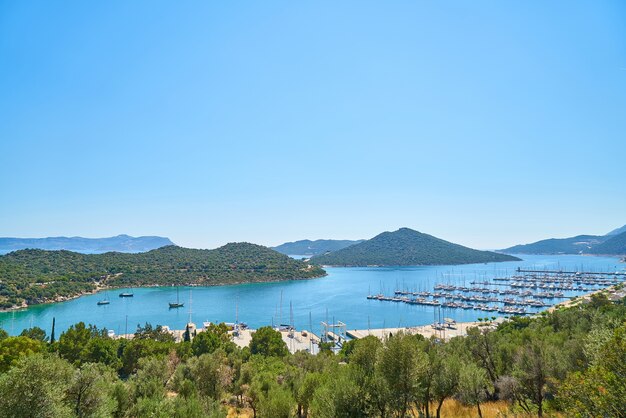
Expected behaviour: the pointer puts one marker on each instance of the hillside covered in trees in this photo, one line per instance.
(37, 276)
(566, 363)
(320, 246)
(406, 247)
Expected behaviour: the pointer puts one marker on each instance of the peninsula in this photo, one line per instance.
(37, 276)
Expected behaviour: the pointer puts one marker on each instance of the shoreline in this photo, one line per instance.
(99, 288)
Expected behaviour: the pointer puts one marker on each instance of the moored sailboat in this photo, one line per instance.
(104, 301)
(178, 303)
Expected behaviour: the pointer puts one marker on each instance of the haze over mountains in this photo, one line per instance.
(406, 247)
(119, 243)
(613, 243)
(311, 248)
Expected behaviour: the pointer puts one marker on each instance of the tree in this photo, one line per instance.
(151, 377)
(35, 333)
(473, 382)
(362, 360)
(101, 350)
(36, 387)
(535, 366)
(601, 389)
(304, 392)
(134, 350)
(195, 407)
(3, 334)
(268, 342)
(338, 396)
(89, 393)
(210, 374)
(402, 367)
(75, 339)
(12, 349)
(446, 379)
(483, 344)
(205, 343)
(277, 403)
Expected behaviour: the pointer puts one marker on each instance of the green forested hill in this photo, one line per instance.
(37, 276)
(406, 247)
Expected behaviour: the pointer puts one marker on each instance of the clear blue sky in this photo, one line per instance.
(485, 123)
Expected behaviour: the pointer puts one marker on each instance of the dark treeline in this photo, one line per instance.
(37, 276)
(570, 362)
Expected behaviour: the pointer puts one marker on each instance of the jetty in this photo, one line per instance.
(589, 273)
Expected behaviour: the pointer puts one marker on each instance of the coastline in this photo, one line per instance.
(100, 287)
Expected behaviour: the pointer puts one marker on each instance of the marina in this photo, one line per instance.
(519, 291)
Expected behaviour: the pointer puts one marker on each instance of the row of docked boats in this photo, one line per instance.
(507, 309)
(481, 290)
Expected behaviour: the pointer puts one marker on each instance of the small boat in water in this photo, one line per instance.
(127, 295)
(104, 301)
(178, 303)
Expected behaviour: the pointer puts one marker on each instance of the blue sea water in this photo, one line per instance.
(340, 296)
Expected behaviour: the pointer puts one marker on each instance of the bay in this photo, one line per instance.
(340, 296)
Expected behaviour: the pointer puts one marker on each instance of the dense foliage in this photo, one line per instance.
(37, 276)
(569, 362)
(310, 248)
(406, 247)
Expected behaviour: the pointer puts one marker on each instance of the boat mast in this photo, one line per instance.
(190, 304)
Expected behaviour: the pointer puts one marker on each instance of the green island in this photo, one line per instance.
(30, 277)
(568, 362)
(406, 247)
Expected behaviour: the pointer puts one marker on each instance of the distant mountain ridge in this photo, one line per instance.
(406, 247)
(609, 244)
(618, 231)
(320, 246)
(580, 244)
(119, 243)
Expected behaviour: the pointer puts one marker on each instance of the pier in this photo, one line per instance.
(617, 273)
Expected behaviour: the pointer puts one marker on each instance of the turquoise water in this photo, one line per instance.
(340, 296)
